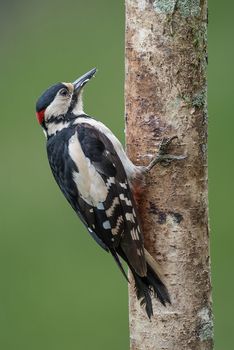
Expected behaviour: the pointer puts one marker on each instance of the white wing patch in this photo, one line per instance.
(131, 169)
(89, 182)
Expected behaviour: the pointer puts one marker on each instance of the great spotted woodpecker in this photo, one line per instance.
(97, 178)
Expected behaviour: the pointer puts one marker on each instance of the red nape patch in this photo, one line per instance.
(40, 116)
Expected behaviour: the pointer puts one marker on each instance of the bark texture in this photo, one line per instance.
(165, 93)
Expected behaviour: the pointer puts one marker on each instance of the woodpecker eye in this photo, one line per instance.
(63, 92)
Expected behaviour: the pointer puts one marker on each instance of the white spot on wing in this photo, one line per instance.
(129, 217)
(123, 185)
(100, 206)
(139, 252)
(127, 201)
(106, 225)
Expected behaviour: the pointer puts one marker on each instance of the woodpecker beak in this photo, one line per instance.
(80, 82)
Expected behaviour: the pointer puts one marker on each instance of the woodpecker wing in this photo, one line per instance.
(116, 223)
(91, 175)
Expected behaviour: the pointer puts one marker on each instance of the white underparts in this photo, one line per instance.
(78, 109)
(89, 182)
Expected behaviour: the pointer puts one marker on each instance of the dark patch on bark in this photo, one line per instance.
(162, 215)
(177, 217)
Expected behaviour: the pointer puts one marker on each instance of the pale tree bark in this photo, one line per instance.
(165, 93)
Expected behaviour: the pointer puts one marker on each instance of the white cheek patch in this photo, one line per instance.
(89, 183)
(59, 106)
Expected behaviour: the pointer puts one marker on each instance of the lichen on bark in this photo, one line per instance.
(185, 7)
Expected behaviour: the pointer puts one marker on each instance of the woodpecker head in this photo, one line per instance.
(60, 101)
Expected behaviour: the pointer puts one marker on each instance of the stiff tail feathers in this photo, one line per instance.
(150, 285)
(146, 286)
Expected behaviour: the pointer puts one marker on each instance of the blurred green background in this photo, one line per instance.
(59, 290)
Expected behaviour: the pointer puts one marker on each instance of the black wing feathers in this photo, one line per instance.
(95, 150)
(119, 206)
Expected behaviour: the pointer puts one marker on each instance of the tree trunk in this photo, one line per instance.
(165, 93)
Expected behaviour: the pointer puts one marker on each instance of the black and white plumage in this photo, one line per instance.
(97, 178)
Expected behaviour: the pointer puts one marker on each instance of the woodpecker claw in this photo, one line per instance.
(163, 157)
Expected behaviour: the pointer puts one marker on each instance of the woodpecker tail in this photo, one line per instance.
(150, 284)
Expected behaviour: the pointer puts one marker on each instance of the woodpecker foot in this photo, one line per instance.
(163, 157)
